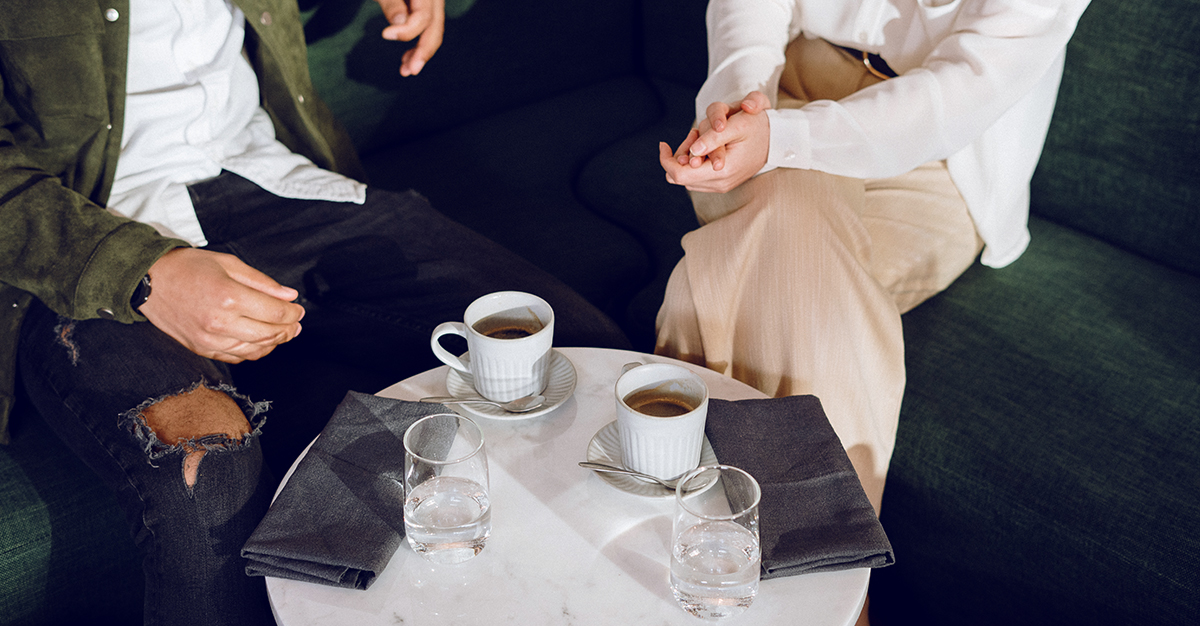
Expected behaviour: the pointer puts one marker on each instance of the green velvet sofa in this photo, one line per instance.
(1047, 469)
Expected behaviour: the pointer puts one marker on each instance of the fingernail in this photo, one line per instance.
(697, 148)
(417, 66)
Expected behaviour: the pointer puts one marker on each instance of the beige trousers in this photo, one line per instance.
(795, 281)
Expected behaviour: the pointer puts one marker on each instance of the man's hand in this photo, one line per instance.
(219, 307)
(410, 18)
(729, 146)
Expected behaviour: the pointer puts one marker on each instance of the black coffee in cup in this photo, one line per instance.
(509, 324)
(658, 403)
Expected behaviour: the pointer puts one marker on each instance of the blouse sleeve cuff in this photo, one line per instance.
(790, 142)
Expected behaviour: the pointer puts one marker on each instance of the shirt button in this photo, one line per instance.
(112, 15)
(108, 126)
(862, 37)
(265, 19)
(300, 98)
(106, 313)
(789, 155)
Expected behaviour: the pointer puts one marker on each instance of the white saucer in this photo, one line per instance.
(558, 389)
(605, 447)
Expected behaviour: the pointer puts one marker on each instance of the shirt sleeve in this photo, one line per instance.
(746, 43)
(994, 54)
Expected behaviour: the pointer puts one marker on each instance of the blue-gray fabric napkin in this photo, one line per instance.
(340, 517)
(814, 515)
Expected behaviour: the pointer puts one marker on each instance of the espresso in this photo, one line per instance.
(509, 325)
(657, 403)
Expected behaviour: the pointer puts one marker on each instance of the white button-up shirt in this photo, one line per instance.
(191, 110)
(977, 85)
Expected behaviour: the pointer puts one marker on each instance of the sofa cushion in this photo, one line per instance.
(1045, 467)
(502, 53)
(625, 184)
(65, 549)
(675, 42)
(511, 176)
(1122, 160)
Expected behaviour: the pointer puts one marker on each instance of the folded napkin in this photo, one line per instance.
(340, 517)
(814, 515)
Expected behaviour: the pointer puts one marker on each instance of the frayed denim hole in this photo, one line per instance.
(63, 332)
(134, 421)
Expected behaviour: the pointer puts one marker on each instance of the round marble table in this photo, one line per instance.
(566, 546)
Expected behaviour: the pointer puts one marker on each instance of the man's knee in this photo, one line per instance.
(195, 414)
(195, 422)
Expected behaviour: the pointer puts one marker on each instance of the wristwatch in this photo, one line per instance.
(141, 294)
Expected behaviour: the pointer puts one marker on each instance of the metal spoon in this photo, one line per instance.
(520, 405)
(669, 483)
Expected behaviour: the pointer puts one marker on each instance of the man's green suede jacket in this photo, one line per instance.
(63, 65)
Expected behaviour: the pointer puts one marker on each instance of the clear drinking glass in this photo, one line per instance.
(447, 514)
(715, 555)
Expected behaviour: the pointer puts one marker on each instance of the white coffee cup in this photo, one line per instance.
(661, 410)
(509, 335)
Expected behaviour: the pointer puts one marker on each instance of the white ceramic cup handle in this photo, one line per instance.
(448, 328)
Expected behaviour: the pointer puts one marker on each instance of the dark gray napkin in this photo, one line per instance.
(340, 517)
(814, 515)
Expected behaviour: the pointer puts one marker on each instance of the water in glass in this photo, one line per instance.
(447, 519)
(714, 569)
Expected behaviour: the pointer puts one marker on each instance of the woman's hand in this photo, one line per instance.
(729, 146)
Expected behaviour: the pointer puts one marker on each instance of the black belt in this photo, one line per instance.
(875, 63)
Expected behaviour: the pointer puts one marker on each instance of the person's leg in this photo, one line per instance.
(166, 432)
(375, 280)
(780, 298)
(795, 282)
(922, 237)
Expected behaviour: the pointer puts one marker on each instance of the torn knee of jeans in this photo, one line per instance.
(134, 420)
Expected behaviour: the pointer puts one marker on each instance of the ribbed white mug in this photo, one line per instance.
(502, 369)
(661, 446)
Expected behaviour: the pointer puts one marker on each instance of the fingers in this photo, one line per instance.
(403, 25)
(755, 102)
(685, 174)
(683, 154)
(716, 114)
(707, 142)
(431, 39)
(410, 19)
(255, 279)
(717, 157)
(668, 161)
(247, 339)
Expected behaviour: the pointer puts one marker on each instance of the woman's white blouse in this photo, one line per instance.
(977, 85)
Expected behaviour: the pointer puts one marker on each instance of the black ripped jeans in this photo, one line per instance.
(374, 279)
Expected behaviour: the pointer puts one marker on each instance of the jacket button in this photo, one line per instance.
(112, 15)
(265, 19)
(106, 313)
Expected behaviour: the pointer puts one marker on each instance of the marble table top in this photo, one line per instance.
(566, 546)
